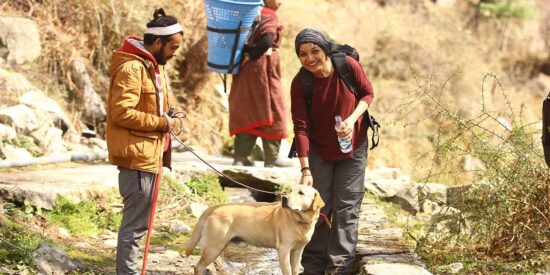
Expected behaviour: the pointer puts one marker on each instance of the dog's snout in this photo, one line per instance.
(284, 200)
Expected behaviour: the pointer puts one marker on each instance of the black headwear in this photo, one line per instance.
(311, 36)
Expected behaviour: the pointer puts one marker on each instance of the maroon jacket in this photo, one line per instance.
(330, 97)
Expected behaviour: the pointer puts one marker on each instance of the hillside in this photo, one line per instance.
(404, 47)
(458, 90)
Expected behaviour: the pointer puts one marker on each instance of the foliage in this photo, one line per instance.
(506, 9)
(85, 218)
(283, 189)
(506, 212)
(208, 187)
(17, 244)
(22, 142)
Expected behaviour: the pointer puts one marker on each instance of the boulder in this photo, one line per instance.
(38, 100)
(7, 132)
(13, 85)
(11, 152)
(20, 117)
(435, 192)
(50, 259)
(52, 141)
(401, 191)
(94, 108)
(22, 43)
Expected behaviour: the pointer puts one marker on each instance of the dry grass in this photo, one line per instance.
(399, 44)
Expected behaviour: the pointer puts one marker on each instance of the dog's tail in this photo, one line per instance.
(197, 231)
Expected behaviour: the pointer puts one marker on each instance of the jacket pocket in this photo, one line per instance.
(142, 144)
(148, 99)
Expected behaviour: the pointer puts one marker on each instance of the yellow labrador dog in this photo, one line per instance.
(287, 226)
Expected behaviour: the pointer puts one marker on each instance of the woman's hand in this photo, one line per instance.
(346, 131)
(306, 178)
(245, 59)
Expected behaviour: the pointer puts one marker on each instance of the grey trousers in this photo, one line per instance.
(244, 144)
(341, 185)
(136, 189)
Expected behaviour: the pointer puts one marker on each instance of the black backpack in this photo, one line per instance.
(338, 55)
(546, 129)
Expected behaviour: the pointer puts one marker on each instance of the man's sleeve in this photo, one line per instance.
(125, 95)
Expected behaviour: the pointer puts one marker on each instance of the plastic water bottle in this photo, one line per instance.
(345, 144)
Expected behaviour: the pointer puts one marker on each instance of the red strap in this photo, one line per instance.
(167, 143)
(325, 218)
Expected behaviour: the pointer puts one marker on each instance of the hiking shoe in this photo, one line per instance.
(243, 162)
(278, 163)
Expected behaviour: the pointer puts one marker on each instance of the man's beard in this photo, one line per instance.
(161, 60)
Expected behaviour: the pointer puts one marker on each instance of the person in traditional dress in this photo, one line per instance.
(256, 101)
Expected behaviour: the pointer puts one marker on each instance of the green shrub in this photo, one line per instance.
(85, 218)
(507, 9)
(208, 187)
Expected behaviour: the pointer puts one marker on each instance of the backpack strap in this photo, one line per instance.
(342, 66)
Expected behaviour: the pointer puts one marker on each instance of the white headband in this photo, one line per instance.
(168, 30)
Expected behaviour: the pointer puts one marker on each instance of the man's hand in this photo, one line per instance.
(170, 123)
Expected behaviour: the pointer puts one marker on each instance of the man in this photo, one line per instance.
(138, 126)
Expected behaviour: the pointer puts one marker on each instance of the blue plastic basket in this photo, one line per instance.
(228, 25)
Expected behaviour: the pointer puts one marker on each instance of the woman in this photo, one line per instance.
(256, 102)
(337, 176)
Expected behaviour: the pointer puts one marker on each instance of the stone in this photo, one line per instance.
(100, 143)
(23, 44)
(52, 141)
(389, 173)
(401, 191)
(111, 243)
(454, 268)
(13, 85)
(94, 110)
(393, 268)
(11, 152)
(196, 209)
(7, 132)
(429, 207)
(50, 259)
(472, 164)
(64, 232)
(21, 118)
(435, 192)
(38, 100)
(177, 226)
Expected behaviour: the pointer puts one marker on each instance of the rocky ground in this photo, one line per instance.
(381, 250)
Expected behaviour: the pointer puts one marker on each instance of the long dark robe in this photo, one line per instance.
(256, 101)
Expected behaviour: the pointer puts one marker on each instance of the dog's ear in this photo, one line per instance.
(318, 203)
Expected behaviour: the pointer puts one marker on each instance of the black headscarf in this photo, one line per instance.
(311, 36)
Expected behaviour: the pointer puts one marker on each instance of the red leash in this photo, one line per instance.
(153, 208)
(151, 218)
(325, 218)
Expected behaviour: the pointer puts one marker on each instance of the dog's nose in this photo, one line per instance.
(284, 201)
